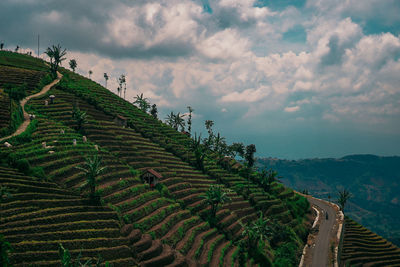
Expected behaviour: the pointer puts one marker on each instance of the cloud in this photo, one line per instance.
(255, 63)
(292, 109)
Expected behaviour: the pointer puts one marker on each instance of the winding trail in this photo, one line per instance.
(26, 122)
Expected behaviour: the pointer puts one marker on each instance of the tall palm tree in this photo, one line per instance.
(344, 195)
(179, 121)
(106, 78)
(92, 168)
(57, 56)
(189, 122)
(121, 82)
(215, 196)
(90, 73)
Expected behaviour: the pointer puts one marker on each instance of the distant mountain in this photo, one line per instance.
(374, 182)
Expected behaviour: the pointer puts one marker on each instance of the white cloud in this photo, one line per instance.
(292, 109)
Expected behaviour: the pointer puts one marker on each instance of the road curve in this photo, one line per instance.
(321, 249)
(26, 122)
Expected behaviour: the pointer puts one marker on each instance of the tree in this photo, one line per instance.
(121, 83)
(1, 45)
(90, 73)
(80, 118)
(208, 141)
(249, 157)
(215, 196)
(344, 195)
(17, 49)
(142, 102)
(92, 168)
(237, 149)
(257, 231)
(5, 250)
(57, 56)
(266, 178)
(106, 78)
(179, 121)
(73, 64)
(154, 111)
(176, 120)
(189, 121)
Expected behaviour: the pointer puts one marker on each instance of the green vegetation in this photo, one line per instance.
(361, 246)
(56, 55)
(174, 212)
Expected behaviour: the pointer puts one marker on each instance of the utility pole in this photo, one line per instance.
(38, 39)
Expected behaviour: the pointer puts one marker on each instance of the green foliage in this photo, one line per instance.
(344, 196)
(215, 196)
(67, 261)
(5, 250)
(73, 64)
(286, 255)
(92, 168)
(16, 92)
(56, 55)
(80, 119)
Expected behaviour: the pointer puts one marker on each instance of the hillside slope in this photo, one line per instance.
(372, 180)
(165, 226)
(363, 247)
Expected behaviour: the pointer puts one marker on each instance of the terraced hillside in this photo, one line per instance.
(361, 247)
(18, 70)
(164, 226)
(39, 216)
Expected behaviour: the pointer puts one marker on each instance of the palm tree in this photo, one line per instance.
(189, 122)
(1, 45)
(56, 55)
(73, 64)
(344, 195)
(106, 78)
(176, 120)
(170, 119)
(121, 82)
(215, 196)
(257, 231)
(179, 121)
(92, 169)
(90, 73)
(154, 111)
(142, 102)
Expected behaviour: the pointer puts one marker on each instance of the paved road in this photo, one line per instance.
(322, 246)
(26, 122)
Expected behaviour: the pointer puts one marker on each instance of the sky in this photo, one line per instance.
(299, 78)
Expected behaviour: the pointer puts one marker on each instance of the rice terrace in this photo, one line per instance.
(95, 179)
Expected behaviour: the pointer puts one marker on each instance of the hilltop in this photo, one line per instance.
(372, 180)
(129, 221)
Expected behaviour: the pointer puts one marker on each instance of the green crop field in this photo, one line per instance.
(132, 223)
(361, 247)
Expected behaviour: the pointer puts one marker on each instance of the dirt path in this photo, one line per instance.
(26, 122)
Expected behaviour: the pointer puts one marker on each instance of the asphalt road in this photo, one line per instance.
(322, 246)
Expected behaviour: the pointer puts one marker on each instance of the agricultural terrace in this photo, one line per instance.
(361, 247)
(169, 224)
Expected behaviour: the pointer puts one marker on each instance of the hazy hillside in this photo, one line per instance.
(373, 181)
